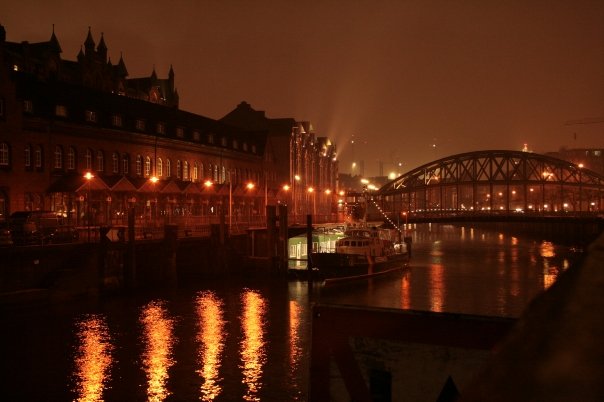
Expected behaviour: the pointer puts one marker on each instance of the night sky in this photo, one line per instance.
(412, 81)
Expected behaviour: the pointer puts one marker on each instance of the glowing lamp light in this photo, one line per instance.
(154, 179)
(286, 187)
(208, 183)
(249, 186)
(88, 176)
(310, 189)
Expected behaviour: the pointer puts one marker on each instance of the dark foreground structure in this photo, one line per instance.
(554, 352)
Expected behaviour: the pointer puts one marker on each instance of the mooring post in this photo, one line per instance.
(309, 245)
(283, 238)
(130, 274)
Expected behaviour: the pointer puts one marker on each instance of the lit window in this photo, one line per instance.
(116, 120)
(115, 159)
(88, 159)
(27, 156)
(61, 110)
(168, 168)
(90, 116)
(38, 157)
(160, 167)
(185, 172)
(125, 164)
(28, 106)
(180, 132)
(178, 168)
(71, 158)
(147, 166)
(4, 154)
(139, 165)
(58, 157)
(100, 161)
(195, 172)
(140, 125)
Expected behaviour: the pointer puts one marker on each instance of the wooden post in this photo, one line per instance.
(130, 274)
(271, 227)
(283, 238)
(309, 245)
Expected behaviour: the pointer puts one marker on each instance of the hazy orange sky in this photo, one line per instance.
(411, 80)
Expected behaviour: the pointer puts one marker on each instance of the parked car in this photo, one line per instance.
(5, 235)
(40, 227)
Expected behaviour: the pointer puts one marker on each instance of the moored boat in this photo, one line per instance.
(363, 252)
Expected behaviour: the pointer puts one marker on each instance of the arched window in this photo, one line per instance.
(115, 162)
(147, 166)
(168, 168)
(201, 172)
(71, 158)
(88, 159)
(28, 156)
(58, 157)
(4, 155)
(139, 165)
(195, 172)
(125, 164)
(178, 169)
(159, 167)
(100, 161)
(216, 173)
(38, 157)
(223, 175)
(185, 171)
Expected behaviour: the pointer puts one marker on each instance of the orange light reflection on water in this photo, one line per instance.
(252, 347)
(211, 338)
(93, 360)
(157, 356)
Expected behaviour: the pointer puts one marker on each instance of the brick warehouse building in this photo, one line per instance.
(60, 119)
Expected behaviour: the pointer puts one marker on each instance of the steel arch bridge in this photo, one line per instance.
(494, 182)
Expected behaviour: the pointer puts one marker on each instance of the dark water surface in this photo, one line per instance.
(250, 340)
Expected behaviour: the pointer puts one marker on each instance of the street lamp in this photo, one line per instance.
(88, 176)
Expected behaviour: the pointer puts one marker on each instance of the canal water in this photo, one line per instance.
(233, 340)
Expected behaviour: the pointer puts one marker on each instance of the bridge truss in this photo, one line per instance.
(494, 182)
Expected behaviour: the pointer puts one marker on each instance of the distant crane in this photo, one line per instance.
(587, 120)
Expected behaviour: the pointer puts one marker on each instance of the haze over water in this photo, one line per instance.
(250, 340)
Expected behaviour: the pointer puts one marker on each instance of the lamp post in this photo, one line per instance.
(311, 191)
(328, 198)
(88, 176)
(296, 179)
(230, 205)
(154, 179)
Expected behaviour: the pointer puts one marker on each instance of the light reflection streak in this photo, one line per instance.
(93, 359)
(295, 350)
(405, 292)
(211, 339)
(157, 357)
(437, 287)
(546, 249)
(253, 348)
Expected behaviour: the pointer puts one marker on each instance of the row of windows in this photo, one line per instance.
(33, 157)
(117, 120)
